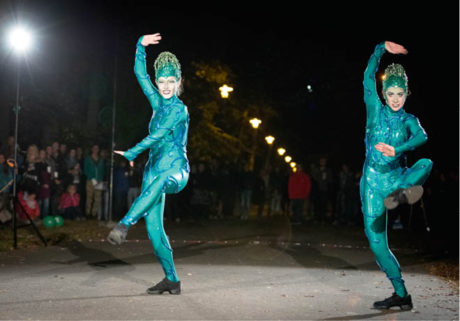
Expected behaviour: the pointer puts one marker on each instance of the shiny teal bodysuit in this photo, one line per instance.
(167, 169)
(383, 175)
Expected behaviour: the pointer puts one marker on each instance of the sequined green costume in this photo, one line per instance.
(167, 169)
(383, 175)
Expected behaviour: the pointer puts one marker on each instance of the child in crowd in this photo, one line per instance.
(69, 203)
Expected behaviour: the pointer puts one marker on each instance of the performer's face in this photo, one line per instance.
(168, 86)
(395, 98)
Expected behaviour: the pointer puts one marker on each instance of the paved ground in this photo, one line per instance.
(230, 270)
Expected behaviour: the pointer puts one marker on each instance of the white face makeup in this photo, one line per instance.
(395, 98)
(168, 87)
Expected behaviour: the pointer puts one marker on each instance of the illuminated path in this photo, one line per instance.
(233, 272)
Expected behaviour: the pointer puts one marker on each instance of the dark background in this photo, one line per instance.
(273, 50)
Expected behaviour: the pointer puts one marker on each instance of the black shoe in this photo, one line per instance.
(165, 285)
(118, 234)
(394, 301)
(403, 196)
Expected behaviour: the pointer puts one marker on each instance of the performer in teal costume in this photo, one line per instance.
(167, 169)
(386, 180)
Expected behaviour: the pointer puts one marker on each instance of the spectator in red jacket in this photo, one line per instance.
(299, 187)
(69, 203)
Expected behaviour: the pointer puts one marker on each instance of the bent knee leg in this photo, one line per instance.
(175, 181)
(418, 173)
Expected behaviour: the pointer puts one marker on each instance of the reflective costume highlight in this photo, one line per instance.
(167, 169)
(381, 174)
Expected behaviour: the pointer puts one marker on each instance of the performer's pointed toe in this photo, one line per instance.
(118, 235)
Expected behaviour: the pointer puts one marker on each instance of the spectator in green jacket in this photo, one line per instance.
(94, 170)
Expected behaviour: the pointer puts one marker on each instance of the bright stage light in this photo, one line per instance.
(20, 39)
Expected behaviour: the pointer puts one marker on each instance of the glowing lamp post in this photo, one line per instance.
(269, 139)
(287, 159)
(281, 151)
(224, 90)
(293, 164)
(255, 123)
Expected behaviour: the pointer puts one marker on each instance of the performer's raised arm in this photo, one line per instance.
(371, 97)
(140, 69)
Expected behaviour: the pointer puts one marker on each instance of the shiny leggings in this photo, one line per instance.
(150, 206)
(375, 186)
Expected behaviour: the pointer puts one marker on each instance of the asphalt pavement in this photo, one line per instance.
(229, 269)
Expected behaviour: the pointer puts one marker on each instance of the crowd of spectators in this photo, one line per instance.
(217, 191)
(73, 182)
(57, 180)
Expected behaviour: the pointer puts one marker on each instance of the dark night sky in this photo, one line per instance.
(278, 48)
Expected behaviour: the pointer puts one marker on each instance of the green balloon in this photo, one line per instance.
(49, 221)
(59, 221)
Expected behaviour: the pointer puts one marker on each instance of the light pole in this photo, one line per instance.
(269, 139)
(20, 41)
(255, 123)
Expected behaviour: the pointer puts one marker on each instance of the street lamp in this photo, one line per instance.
(269, 139)
(281, 151)
(287, 159)
(255, 122)
(224, 90)
(293, 164)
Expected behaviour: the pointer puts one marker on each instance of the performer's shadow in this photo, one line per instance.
(94, 257)
(100, 261)
(310, 257)
(366, 316)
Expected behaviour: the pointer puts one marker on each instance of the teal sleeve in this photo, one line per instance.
(140, 70)
(173, 116)
(371, 97)
(418, 136)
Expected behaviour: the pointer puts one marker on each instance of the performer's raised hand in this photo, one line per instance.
(385, 149)
(395, 48)
(119, 152)
(152, 39)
